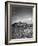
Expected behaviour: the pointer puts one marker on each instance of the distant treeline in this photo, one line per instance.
(20, 24)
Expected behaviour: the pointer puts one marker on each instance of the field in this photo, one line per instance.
(21, 30)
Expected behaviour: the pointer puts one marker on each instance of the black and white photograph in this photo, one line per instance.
(20, 22)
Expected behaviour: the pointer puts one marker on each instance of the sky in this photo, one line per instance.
(21, 13)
